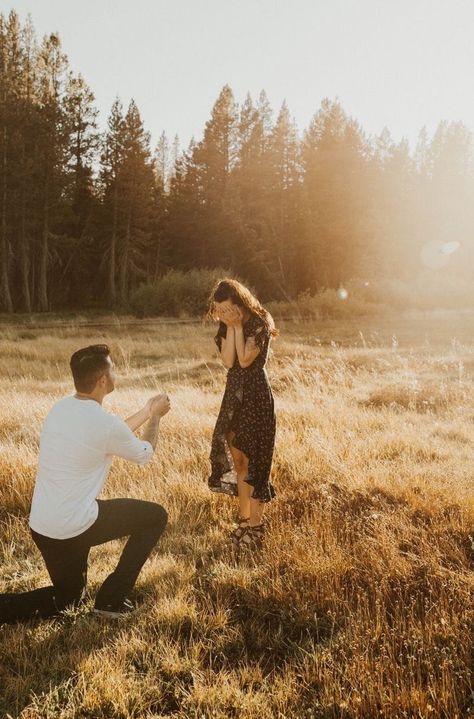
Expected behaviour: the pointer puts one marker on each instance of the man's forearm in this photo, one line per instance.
(136, 420)
(151, 431)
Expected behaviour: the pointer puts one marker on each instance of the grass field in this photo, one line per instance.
(361, 601)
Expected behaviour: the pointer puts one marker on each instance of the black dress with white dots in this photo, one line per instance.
(248, 410)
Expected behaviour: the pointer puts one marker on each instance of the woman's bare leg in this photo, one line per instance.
(241, 465)
(249, 507)
(256, 511)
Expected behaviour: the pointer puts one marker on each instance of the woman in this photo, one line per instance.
(245, 429)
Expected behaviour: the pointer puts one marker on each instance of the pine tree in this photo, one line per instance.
(285, 200)
(249, 142)
(217, 153)
(163, 167)
(184, 223)
(27, 122)
(80, 118)
(112, 159)
(9, 80)
(54, 141)
(451, 191)
(214, 159)
(253, 178)
(336, 161)
(137, 202)
(392, 191)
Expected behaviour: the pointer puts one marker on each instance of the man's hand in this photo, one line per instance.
(158, 406)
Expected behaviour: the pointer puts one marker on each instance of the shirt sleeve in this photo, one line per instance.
(124, 443)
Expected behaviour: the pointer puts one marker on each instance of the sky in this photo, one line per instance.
(402, 64)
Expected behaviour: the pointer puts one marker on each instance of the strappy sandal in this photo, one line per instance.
(252, 537)
(238, 532)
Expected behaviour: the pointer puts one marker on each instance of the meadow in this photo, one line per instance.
(360, 603)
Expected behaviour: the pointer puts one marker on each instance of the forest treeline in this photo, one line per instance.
(86, 217)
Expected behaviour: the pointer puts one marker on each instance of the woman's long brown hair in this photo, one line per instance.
(228, 289)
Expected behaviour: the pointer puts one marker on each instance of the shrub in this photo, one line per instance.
(326, 304)
(177, 294)
(427, 291)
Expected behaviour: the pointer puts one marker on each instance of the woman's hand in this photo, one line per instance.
(239, 317)
(231, 316)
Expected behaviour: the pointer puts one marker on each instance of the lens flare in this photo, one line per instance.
(436, 255)
(447, 248)
(342, 293)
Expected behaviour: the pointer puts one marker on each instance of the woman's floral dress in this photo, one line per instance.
(248, 410)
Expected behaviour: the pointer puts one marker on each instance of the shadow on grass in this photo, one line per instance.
(42, 660)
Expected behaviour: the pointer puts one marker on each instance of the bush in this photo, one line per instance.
(328, 304)
(182, 294)
(177, 294)
(428, 291)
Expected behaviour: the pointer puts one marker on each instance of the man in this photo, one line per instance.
(78, 440)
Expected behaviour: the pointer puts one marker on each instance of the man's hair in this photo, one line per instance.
(88, 365)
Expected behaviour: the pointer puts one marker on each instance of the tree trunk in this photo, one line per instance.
(123, 284)
(24, 257)
(43, 259)
(157, 261)
(112, 291)
(123, 279)
(5, 295)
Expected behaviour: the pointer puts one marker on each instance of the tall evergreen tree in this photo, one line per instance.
(285, 201)
(137, 183)
(164, 168)
(10, 70)
(80, 118)
(112, 158)
(336, 164)
(185, 224)
(286, 214)
(53, 152)
(451, 192)
(214, 159)
(27, 123)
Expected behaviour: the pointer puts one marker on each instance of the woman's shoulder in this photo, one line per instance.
(254, 322)
(257, 322)
(259, 329)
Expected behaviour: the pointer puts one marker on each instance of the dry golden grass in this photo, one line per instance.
(361, 602)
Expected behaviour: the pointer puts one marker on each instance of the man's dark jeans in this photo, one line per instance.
(66, 560)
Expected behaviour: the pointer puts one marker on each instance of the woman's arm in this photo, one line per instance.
(228, 347)
(247, 351)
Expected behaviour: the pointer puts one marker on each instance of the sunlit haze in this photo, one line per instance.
(398, 64)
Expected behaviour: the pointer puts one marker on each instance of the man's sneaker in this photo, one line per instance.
(114, 611)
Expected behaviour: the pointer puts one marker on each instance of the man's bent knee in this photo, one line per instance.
(157, 517)
(161, 516)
